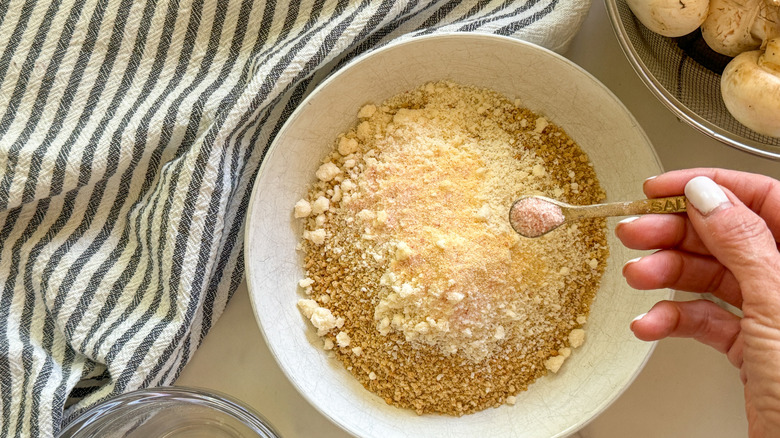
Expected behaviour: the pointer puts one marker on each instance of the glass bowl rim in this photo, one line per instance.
(214, 400)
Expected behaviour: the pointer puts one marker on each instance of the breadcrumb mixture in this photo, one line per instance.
(415, 280)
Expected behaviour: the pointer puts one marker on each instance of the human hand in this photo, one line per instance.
(728, 246)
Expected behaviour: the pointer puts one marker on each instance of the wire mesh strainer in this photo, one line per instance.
(688, 88)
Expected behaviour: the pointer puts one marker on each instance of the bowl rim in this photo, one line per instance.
(672, 103)
(208, 398)
(607, 401)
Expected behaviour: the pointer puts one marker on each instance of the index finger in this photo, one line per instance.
(759, 192)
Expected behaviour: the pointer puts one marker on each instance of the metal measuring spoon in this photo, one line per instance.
(534, 216)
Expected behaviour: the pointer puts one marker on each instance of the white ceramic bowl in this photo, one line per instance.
(550, 85)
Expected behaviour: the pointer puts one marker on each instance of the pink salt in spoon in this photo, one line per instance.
(535, 216)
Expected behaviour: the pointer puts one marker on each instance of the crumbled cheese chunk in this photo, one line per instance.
(363, 130)
(306, 282)
(554, 363)
(320, 317)
(327, 171)
(372, 376)
(302, 208)
(316, 237)
(320, 205)
(541, 123)
(342, 339)
(405, 290)
(576, 337)
(367, 111)
(336, 196)
(357, 351)
(347, 146)
(323, 320)
(511, 400)
(307, 307)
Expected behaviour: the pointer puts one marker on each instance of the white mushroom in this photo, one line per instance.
(670, 18)
(767, 24)
(736, 26)
(750, 86)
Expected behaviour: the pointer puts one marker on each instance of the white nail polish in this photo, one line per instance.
(634, 260)
(631, 324)
(629, 220)
(704, 194)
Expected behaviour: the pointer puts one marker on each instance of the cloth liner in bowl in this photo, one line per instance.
(548, 84)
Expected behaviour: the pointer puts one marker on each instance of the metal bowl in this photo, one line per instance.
(689, 85)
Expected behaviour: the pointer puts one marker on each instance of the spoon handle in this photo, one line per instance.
(673, 204)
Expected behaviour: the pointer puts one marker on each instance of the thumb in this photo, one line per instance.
(734, 234)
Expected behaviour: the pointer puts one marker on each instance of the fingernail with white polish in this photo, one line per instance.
(629, 220)
(637, 319)
(651, 178)
(705, 194)
(634, 260)
(623, 270)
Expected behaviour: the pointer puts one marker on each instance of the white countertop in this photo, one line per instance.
(685, 390)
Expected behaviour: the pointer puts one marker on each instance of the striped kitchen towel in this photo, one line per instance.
(130, 135)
